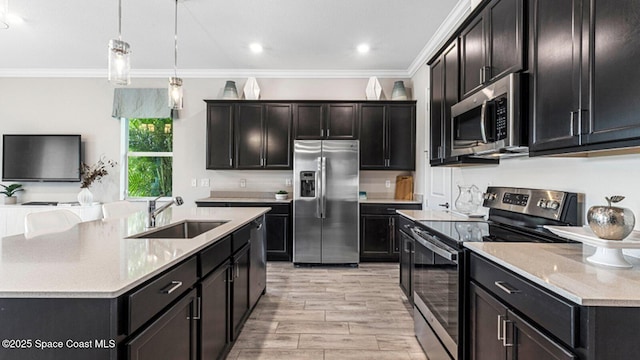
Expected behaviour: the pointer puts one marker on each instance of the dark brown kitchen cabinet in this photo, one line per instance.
(263, 136)
(491, 45)
(171, 336)
(378, 236)
(556, 88)
(388, 136)
(214, 334)
(239, 290)
(407, 251)
(220, 151)
(331, 121)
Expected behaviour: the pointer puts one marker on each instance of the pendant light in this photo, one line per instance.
(119, 56)
(175, 83)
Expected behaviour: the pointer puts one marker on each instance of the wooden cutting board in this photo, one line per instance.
(404, 187)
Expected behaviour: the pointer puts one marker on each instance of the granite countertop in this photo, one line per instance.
(388, 201)
(564, 270)
(96, 260)
(436, 215)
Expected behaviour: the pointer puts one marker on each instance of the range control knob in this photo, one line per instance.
(542, 203)
(490, 196)
(553, 205)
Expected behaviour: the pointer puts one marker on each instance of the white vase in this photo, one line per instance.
(251, 89)
(85, 197)
(374, 89)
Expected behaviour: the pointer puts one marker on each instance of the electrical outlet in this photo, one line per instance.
(204, 182)
(243, 183)
(387, 184)
(287, 182)
(194, 182)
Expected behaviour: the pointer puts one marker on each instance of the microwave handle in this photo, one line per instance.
(483, 121)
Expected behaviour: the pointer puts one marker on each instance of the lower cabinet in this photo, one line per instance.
(406, 261)
(512, 338)
(214, 335)
(239, 290)
(378, 240)
(171, 336)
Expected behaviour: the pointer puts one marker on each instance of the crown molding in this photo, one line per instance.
(206, 73)
(448, 26)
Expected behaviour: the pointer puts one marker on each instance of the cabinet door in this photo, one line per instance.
(401, 139)
(308, 121)
(214, 328)
(372, 139)
(171, 336)
(341, 122)
(375, 238)
(451, 94)
(505, 37)
(240, 291)
(219, 136)
(436, 102)
(486, 325)
(556, 74)
(616, 75)
(531, 344)
(279, 240)
(277, 136)
(472, 47)
(258, 262)
(248, 129)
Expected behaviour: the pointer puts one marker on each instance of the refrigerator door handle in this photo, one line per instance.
(319, 186)
(323, 191)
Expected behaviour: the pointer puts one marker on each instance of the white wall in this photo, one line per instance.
(83, 106)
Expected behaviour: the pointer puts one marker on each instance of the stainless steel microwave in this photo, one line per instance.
(489, 123)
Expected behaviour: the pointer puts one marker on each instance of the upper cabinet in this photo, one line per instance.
(491, 45)
(388, 135)
(331, 121)
(585, 77)
(249, 135)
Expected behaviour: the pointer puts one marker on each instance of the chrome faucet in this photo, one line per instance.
(153, 212)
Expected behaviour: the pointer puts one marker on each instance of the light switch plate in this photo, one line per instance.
(194, 182)
(243, 183)
(204, 182)
(387, 184)
(287, 182)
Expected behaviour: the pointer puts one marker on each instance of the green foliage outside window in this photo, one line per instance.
(150, 174)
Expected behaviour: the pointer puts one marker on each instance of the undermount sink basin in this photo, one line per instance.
(183, 230)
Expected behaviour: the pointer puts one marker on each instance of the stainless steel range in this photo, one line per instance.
(515, 214)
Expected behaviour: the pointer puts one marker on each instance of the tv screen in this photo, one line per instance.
(41, 157)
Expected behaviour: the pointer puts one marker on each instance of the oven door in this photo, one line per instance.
(436, 291)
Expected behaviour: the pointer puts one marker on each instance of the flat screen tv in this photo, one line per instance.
(41, 158)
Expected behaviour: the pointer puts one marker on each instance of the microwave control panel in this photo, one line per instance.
(501, 117)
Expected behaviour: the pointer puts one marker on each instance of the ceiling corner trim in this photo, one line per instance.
(206, 73)
(450, 23)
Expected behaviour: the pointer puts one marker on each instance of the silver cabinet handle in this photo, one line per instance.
(197, 309)
(504, 286)
(504, 333)
(230, 161)
(173, 286)
(321, 132)
(328, 132)
(500, 336)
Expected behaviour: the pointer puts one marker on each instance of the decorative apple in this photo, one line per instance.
(611, 222)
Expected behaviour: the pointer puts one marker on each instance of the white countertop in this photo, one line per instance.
(435, 215)
(388, 201)
(563, 269)
(96, 260)
(247, 199)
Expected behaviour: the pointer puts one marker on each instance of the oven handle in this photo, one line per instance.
(424, 240)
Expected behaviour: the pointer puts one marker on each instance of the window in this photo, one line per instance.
(148, 157)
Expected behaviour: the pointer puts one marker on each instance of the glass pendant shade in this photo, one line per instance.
(175, 93)
(119, 62)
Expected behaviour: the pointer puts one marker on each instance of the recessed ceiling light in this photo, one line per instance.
(363, 48)
(256, 48)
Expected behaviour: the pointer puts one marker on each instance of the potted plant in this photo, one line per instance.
(9, 191)
(281, 195)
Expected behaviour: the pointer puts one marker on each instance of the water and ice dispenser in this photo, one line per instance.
(308, 184)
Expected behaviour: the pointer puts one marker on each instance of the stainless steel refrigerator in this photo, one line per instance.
(325, 202)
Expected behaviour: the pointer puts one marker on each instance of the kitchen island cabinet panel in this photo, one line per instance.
(214, 335)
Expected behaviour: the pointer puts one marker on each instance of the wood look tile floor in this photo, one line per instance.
(328, 313)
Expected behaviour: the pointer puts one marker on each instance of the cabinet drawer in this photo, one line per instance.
(387, 209)
(240, 238)
(556, 315)
(146, 302)
(211, 257)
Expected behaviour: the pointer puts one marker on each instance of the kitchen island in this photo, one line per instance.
(95, 292)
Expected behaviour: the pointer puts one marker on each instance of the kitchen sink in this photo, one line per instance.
(183, 230)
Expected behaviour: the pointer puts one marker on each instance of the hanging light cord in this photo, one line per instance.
(120, 20)
(175, 43)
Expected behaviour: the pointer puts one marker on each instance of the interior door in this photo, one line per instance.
(439, 188)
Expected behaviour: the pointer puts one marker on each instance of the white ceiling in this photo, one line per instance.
(305, 36)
